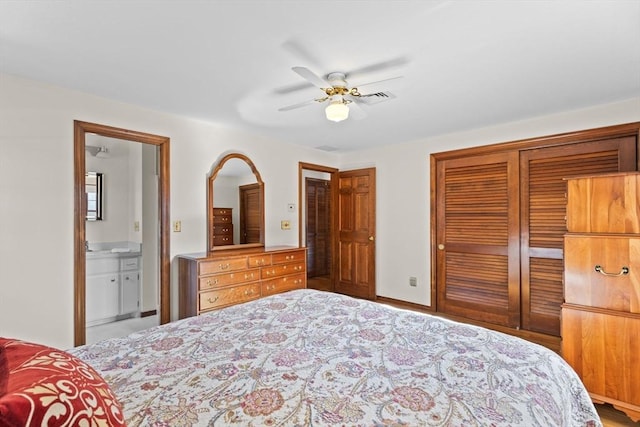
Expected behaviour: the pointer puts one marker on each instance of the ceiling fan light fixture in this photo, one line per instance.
(337, 110)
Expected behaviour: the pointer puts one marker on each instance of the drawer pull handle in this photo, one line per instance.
(248, 276)
(212, 300)
(624, 271)
(224, 266)
(209, 282)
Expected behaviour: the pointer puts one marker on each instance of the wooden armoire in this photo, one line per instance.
(601, 313)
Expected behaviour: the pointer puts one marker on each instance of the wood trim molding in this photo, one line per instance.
(545, 141)
(80, 130)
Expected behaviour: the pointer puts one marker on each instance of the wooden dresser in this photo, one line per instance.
(601, 313)
(222, 226)
(231, 277)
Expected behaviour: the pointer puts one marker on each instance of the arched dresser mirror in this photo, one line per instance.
(235, 204)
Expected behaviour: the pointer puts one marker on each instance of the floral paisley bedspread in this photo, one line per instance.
(311, 358)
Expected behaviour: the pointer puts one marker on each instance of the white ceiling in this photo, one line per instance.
(465, 64)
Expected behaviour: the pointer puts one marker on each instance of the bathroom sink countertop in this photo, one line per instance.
(112, 253)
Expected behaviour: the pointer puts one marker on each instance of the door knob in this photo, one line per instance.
(371, 238)
(441, 247)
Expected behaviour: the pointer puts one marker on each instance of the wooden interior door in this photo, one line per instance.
(250, 213)
(356, 233)
(477, 238)
(543, 218)
(318, 223)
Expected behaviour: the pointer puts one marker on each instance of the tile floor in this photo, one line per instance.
(120, 328)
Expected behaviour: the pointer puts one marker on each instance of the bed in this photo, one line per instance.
(311, 358)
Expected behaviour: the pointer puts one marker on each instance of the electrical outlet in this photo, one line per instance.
(136, 226)
(177, 226)
(413, 281)
(285, 225)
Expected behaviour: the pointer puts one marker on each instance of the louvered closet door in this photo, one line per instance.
(477, 238)
(543, 219)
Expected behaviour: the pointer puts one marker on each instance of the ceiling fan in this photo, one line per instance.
(339, 95)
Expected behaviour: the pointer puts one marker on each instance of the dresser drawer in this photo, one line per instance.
(225, 279)
(222, 265)
(610, 288)
(283, 270)
(604, 204)
(222, 219)
(223, 230)
(289, 256)
(222, 211)
(283, 284)
(222, 240)
(223, 297)
(602, 349)
(260, 260)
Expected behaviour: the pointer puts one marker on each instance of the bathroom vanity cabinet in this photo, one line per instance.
(112, 286)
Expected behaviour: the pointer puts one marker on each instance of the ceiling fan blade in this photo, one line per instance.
(311, 77)
(356, 111)
(292, 88)
(379, 66)
(374, 98)
(302, 52)
(379, 81)
(299, 105)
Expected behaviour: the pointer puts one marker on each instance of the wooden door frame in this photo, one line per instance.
(333, 179)
(80, 130)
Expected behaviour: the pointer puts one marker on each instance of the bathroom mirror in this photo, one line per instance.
(93, 190)
(235, 204)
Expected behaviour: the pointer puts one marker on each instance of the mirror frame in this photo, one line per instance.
(216, 168)
(99, 197)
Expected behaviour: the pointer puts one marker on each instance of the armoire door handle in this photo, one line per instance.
(623, 271)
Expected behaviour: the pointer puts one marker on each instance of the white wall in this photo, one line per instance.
(36, 189)
(403, 189)
(120, 187)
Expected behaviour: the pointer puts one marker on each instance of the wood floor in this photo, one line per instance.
(320, 283)
(613, 418)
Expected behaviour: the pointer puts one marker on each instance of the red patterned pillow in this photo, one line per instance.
(43, 386)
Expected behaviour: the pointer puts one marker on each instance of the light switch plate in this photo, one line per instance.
(285, 225)
(177, 226)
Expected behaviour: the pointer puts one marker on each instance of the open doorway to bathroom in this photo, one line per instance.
(122, 255)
